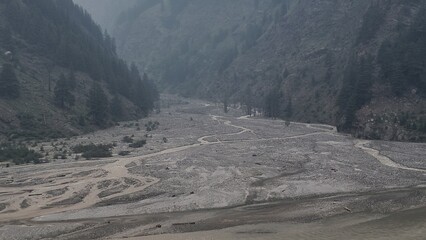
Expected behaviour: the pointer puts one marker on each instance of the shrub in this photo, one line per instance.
(124, 153)
(138, 144)
(94, 151)
(127, 139)
(19, 155)
(151, 126)
(60, 156)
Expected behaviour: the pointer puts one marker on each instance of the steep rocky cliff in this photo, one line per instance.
(322, 61)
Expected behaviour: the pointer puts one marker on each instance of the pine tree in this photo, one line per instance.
(356, 90)
(138, 88)
(116, 108)
(272, 104)
(71, 81)
(248, 101)
(62, 96)
(9, 84)
(97, 105)
(150, 91)
(289, 108)
(144, 93)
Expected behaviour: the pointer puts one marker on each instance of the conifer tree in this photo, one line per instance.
(144, 93)
(62, 96)
(248, 101)
(289, 108)
(116, 108)
(272, 103)
(97, 105)
(9, 84)
(71, 81)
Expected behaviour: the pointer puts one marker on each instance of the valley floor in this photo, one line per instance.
(206, 175)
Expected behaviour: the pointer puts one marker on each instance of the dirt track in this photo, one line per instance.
(211, 165)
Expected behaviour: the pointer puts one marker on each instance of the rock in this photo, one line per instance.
(158, 226)
(183, 224)
(33, 195)
(348, 209)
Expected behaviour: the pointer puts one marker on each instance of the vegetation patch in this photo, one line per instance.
(32, 127)
(123, 153)
(127, 139)
(138, 144)
(3, 206)
(19, 155)
(151, 126)
(25, 204)
(94, 151)
(57, 192)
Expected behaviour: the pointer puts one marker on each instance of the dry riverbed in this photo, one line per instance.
(207, 175)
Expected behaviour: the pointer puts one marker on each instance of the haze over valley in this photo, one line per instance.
(200, 119)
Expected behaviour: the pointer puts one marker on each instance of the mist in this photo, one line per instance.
(201, 119)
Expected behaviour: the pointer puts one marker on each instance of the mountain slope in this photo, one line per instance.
(106, 12)
(52, 42)
(321, 61)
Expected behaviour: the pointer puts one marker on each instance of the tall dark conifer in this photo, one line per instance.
(272, 104)
(248, 101)
(97, 105)
(116, 108)
(62, 96)
(144, 93)
(9, 84)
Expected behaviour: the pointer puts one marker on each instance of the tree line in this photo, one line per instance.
(272, 103)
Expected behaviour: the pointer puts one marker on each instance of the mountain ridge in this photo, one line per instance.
(323, 57)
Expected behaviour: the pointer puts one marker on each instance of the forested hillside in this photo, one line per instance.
(61, 74)
(357, 64)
